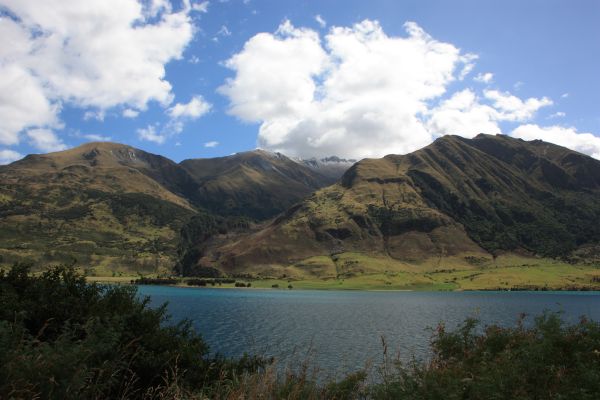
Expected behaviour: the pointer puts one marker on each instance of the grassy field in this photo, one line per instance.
(360, 272)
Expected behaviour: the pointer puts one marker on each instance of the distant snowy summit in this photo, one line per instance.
(331, 167)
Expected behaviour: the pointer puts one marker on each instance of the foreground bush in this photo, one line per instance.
(62, 338)
(549, 360)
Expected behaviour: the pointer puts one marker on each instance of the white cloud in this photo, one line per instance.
(94, 114)
(558, 114)
(322, 23)
(512, 108)
(484, 78)
(224, 31)
(45, 140)
(201, 7)
(23, 103)
(196, 108)
(361, 94)
(211, 144)
(150, 134)
(468, 61)
(179, 114)
(564, 95)
(130, 113)
(95, 54)
(585, 143)
(8, 156)
(97, 138)
(463, 114)
(357, 92)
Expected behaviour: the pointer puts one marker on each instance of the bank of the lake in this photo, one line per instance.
(535, 274)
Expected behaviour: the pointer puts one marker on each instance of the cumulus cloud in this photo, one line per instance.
(179, 114)
(97, 138)
(8, 156)
(464, 115)
(150, 134)
(196, 108)
(585, 143)
(211, 144)
(94, 114)
(360, 93)
(45, 140)
(23, 103)
(513, 108)
(468, 61)
(558, 114)
(130, 113)
(95, 54)
(484, 78)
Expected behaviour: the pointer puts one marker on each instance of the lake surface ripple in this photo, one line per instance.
(341, 331)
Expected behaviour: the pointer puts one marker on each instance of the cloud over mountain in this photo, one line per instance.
(359, 92)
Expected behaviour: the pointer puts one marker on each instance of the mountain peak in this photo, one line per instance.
(456, 197)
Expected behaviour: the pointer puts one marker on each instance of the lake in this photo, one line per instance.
(341, 331)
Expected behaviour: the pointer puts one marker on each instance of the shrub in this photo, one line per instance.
(547, 361)
(62, 338)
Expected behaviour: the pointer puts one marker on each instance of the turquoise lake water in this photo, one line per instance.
(341, 331)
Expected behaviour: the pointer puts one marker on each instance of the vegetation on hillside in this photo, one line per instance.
(253, 184)
(193, 237)
(61, 338)
(457, 197)
(118, 209)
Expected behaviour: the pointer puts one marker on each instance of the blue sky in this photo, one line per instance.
(361, 80)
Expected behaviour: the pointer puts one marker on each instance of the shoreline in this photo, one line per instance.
(122, 281)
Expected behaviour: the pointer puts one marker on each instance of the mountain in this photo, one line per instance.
(457, 200)
(256, 184)
(105, 204)
(332, 167)
(115, 207)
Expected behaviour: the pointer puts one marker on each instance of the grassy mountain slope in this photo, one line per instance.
(255, 184)
(107, 205)
(114, 207)
(455, 202)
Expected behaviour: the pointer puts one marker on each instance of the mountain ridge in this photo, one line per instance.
(109, 204)
(453, 202)
(456, 197)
